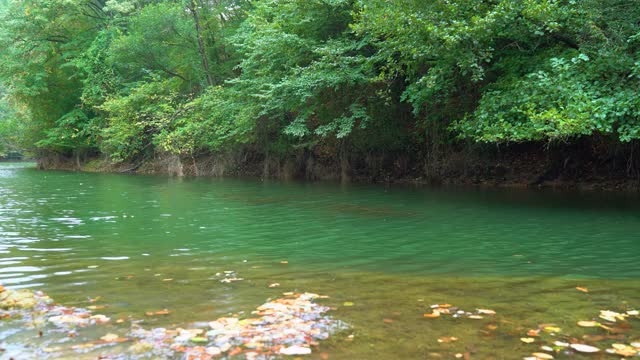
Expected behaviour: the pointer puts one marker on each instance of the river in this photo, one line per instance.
(382, 254)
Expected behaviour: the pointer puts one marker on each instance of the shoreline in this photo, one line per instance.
(512, 173)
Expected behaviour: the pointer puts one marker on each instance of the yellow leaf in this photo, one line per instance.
(447, 339)
(109, 337)
(433, 315)
(543, 356)
(588, 323)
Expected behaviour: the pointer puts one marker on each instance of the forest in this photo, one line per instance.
(373, 88)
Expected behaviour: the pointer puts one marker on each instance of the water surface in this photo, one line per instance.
(392, 251)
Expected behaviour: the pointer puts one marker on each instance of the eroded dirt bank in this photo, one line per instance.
(586, 165)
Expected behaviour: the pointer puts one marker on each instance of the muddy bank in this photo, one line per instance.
(585, 165)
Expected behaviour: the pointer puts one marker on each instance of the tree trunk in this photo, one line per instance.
(201, 46)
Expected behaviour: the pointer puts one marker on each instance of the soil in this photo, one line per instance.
(586, 165)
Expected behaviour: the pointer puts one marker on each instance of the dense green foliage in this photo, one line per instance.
(128, 78)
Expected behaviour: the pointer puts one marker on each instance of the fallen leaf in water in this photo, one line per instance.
(491, 327)
(199, 340)
(533, 332)
(551, 329)
(588, 323)
(120, 321)
(96, 307)
(447, 339)
(603, 337)
(100, 319)
(584, 348)
(475, 317)
(527, 340)
(168, 279)
(432, 315)
(443, 306)
(347, 303)
(160, 312)
(626, 351)
(274, 285)
(387, 321)
(561, 344)
(284, 262)
(459, 356)
(543, 356)
(295, 350)
(486, 311)
(97, 298)
(582, 289)
(235, 351)
(109, 337)
(615, 330)
(633, 312)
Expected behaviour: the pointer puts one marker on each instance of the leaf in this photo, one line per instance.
(447, 339)
(582, 289)
(160, 312)
(588, 323)
(584, 348)
(543, 356)
(433, 315)
(552, 329)
(486, 311)
(110, 337)
(533, 332)
(527, 340)
(295, 350)
(348, 303)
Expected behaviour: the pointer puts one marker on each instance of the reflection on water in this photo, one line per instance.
(146, 243)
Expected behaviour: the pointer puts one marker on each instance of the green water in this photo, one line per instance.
(392, 251)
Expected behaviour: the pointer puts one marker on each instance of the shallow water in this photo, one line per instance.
(391, 251)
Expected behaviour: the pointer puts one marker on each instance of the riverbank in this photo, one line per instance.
(579, 166)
